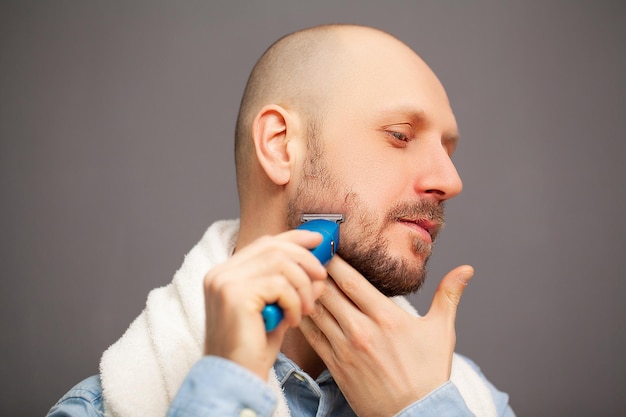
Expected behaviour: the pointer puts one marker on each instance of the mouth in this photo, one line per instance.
(428, 229)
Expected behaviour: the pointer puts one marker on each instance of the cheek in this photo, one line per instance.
(367, 168)
(378, 187)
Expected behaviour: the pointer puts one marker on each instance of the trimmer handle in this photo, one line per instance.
(329, 229)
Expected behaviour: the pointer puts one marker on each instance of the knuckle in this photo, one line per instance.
(361, 341)
(283, 286)
(361, 335)
(388, 323)
(315, 337)
(218, 282)
(317, 313)
(351, 286)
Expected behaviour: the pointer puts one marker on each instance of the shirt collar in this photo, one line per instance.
(285, 367)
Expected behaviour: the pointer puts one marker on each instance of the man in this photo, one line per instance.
(334, 119)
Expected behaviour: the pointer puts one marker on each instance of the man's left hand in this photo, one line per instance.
(382, 357)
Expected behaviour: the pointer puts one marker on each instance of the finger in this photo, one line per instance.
(306, 242)
(294, 244)
(272, 264)
(315, 337)
(448, 294)
(302, 237)
(356, 287)
(276, 336)
(318, 288)
(291, 304)
(274, 289)
(334, 313)
(294, 275)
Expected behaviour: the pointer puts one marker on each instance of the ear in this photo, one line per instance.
(270, 136)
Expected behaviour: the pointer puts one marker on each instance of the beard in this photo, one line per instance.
(363, 244)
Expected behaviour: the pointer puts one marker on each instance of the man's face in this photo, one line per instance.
(381, 156)
(363, 238)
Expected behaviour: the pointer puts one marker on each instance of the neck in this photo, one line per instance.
(296, 348)
(261, 221)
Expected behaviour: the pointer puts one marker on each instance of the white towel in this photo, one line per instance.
(143, 370)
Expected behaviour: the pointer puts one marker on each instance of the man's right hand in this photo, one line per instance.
(279, 269)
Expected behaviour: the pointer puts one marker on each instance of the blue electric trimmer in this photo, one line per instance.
(328, 226)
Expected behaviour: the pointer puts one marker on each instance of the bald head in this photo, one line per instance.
(298, 72)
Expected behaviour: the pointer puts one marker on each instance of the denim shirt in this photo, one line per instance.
(218, 387)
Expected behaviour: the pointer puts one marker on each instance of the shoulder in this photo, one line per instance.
(84, 399)
(88, 389)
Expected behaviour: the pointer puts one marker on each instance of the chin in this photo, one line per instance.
(411, 251)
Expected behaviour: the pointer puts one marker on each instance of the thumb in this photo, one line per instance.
(448, 295)
(276, 336)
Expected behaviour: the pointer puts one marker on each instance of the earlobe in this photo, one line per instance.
(269, 133)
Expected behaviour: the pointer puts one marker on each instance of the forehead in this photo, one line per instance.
(381, 77)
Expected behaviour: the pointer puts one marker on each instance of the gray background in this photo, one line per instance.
(116, 125)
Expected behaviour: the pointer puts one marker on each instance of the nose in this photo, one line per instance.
(436, 176)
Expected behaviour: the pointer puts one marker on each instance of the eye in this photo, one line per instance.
(400, 136)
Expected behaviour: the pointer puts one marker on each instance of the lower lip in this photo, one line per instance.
(419, 229)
